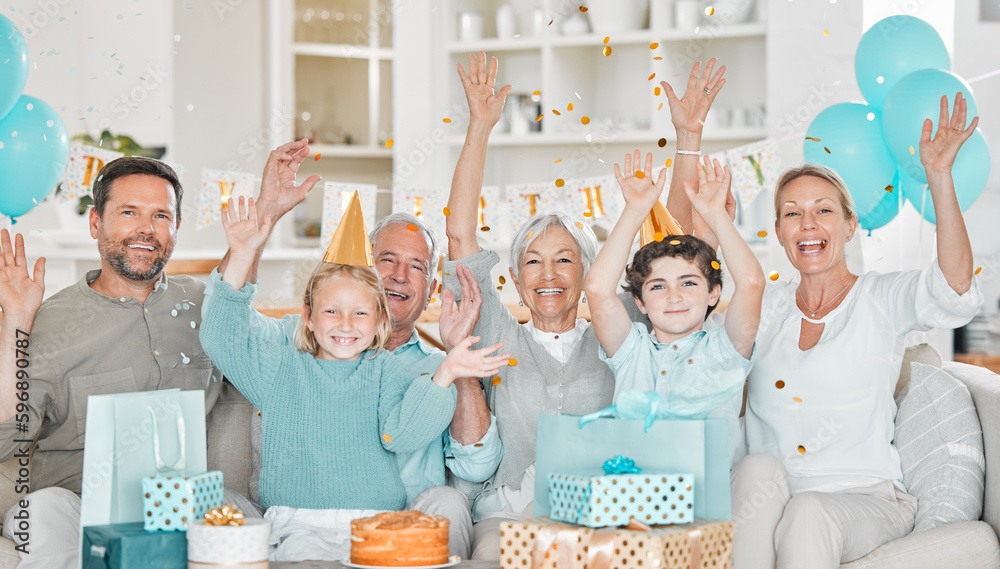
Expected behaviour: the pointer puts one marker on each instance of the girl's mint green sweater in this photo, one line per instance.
(330, 428)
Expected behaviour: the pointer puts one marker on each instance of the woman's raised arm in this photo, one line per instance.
(485, 109)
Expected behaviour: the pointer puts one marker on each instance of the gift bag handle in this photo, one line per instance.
(179, 465)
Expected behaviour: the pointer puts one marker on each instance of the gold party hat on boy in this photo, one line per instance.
(659, 221)
(350, 245)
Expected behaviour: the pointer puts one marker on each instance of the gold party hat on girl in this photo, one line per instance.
(350, 245)
(658, 222)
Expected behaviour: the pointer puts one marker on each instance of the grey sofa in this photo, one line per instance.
(972, 545)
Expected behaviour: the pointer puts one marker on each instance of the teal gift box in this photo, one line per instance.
(169, 502)
(127, 546)
(612, 499)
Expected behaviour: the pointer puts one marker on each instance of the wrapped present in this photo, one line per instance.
(613, 499)
(224, 538)
(540, 543)
(170, 501)
(126, 546)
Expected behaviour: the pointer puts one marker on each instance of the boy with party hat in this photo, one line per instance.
(337, 406)
(676, 281)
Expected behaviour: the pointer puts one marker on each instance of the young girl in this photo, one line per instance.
(336, 409)
(677, 282)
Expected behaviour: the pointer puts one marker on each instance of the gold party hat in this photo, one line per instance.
(659, 221)
(350, 245)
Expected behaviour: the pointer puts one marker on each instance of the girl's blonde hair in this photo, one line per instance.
(305, 340)
(822, 173)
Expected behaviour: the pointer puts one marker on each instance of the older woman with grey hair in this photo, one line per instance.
(557, 368)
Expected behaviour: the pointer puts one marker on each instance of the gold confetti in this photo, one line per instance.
(675, 242)
(388, 143)
(668, 163)
(828, 150)
(607, 39)
(439, 289)
(447, 211)
(585, 120)
(500, 287)
(660, 107)
(550, 23)
(911, 151)
(484, 228)
(977, 270)
(812, 139)
(539, 117)
(607, 50)
(826, 33)
(654, 45)
(588, 214)
(779, 384)
(657, 237)
(433, 299)
(580, 225)
(412, 227)
(503, 280)
(569, 107)
(773, 276)
(317, 156)
(762, 234)
(662, 142)
(802, 449)
(512, 362)
(555, 112)
(446, 120)
(560, 182)
(716, 265)
(889, 188)
(530, 233)
(496, 380)
(558, 160)
(387, 438)
(478, 445)
(583, 8)
(651, 77)
(536, 93)
(709, 10)
(640, 174)
(656, 91)
(657, 58)
(797, 399)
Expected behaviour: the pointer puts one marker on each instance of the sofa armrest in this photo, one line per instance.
(984, 385)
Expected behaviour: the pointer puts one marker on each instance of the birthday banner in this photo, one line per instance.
(81, 172)
(217, 186)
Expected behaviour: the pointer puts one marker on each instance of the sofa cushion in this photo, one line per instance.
(940, 445)
(229, 438)
(963, 545)
(920, 353)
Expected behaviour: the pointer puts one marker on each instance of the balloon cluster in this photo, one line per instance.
(902, 68)
(34, 147)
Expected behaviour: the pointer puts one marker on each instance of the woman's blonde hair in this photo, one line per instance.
(816, 171)
(305, 340)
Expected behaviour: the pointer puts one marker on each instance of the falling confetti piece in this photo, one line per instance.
(812, 139)
(478, 445)
(660, 107)
(668, 163)
(588, 214)
(503, 280)
(317, 157)
(607, 39)
(889, 188)
(585, 120)
(583, 8)
(657, 58)
(558, 160)
(662, 142)
(580, 225)
(560, 183)
(484, 228)
(496, 380)
(387, 438)
(779, 384)
(530, 233)
(650, 78)
(709, 10)
(446, 120)
(439, 289)
(977, 270)
(828, 150)
(802, 449)
(826, 33)
(447, 211)
(762, 234)
(569, 107)
(539, 117)
(550, 22)
(656, 91)
(536, 93)
(773, 276)
(412, 227)
(555, 112)
(607, 50)
(657, 237)
(797, 399)
(500, 287)
(512, 362)
(433, 299)
(911, 151)
(716, 265)
(654, 45)
(675, 242)
(640, 174)
(388, 143)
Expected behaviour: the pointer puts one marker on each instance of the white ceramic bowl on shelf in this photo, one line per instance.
(612, 16)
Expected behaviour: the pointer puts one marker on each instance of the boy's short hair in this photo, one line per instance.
(685, 246)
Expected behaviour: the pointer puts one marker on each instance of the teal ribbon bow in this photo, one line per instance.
(621, 465)
(630, 405)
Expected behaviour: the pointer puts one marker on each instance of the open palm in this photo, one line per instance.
(20, 293)
(688, 112)
(240, 223)
(638, 187)
(484, 105)
(938, 154)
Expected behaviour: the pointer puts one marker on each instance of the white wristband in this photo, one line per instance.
(689, 152)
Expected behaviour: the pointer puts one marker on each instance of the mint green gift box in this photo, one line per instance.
(170, 501)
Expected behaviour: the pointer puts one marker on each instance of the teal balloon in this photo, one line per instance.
(34, 151)
(915, 98)
(852, 132)
(886, 209)
(970, 172)
(892, 49)
(13, 65)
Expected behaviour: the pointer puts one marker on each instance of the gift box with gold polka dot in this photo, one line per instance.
(170, 501)
(613, 499)
(545, 544)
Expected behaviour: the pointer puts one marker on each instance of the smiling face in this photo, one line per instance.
(551, 280)
(676, 296)
(402, 260)
(813, 226)
(343, 319)
(138, 229)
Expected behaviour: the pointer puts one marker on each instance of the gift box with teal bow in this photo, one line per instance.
(170, 501)
(623, 492)
(126, 546)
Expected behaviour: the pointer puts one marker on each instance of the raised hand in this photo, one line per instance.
(688, 112)
(456, 324)
(20, 294)
(240, 224)
(484, 106)
(638, 187)
(465, 362)
(938, 154)
(278, 192)
(712, 195)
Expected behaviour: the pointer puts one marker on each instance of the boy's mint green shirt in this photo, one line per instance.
(424, 468)
(699, 376)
